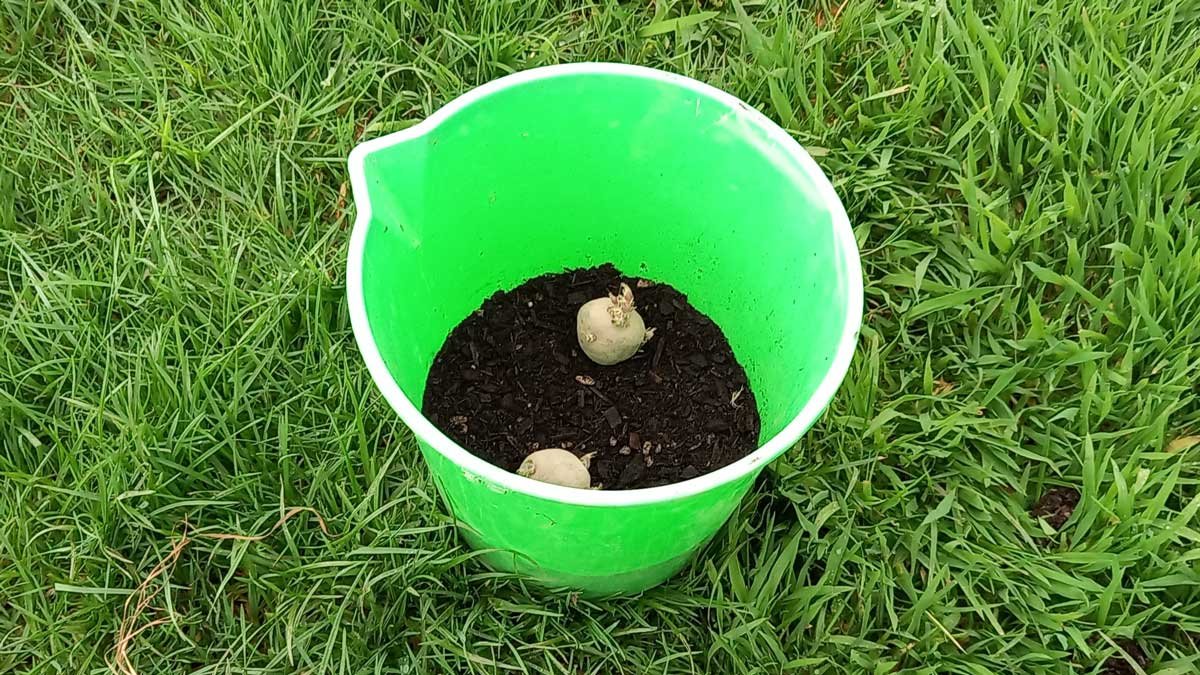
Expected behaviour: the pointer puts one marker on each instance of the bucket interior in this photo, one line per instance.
(583, 169)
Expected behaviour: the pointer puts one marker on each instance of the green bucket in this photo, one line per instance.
(577, 165)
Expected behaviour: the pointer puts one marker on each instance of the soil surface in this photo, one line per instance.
(1056, 505)
(1117, 665)
(511, 379)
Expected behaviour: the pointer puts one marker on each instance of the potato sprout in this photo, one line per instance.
(558, 466)
(610, 329)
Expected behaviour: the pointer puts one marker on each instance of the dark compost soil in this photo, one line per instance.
(511, 379)
(1056, 505)
(1117, 665)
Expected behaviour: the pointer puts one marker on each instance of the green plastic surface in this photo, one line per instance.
(667, 179)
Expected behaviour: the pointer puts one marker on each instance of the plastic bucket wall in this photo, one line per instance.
(577, 165)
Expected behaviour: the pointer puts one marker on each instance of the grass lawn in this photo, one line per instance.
(176, 354)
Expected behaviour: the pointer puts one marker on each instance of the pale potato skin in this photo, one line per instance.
(602, 339)
(557, 466)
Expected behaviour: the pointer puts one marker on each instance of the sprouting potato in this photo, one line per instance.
(610, 329)
(558, 466)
